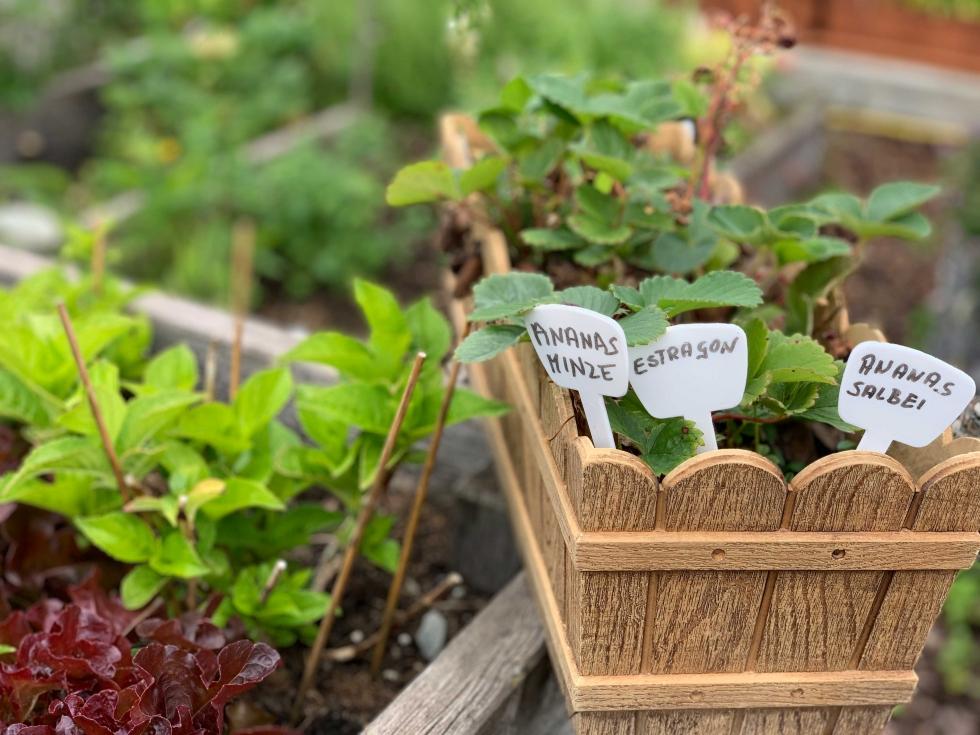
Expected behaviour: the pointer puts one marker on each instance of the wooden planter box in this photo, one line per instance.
(720, 600)
(882, 27)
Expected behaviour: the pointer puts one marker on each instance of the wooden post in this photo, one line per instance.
(353, 545)
(243, 247)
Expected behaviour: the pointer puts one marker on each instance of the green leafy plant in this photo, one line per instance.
(574, 172)
(789, 376)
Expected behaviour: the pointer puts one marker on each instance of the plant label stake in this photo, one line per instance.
(692, 370)
(585, 351)
(896, 393)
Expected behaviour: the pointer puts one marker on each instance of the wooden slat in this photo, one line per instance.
(684, 722)
(610, 491)
(779, 550)
(785, 721)
(605, 723)
(742, 690)
(862, 720)
(950, 501)
(703, 621)
(617, 492)
(606, 618)
(816, 618)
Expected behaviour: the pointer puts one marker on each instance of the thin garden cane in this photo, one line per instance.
(354, 543)
(421, 491)
(93, 403)
(243, 247)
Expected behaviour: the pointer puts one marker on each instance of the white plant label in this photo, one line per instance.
(585, 351)
(692, 370)
(896, 393)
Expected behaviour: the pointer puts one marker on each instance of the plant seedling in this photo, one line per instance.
(584, 351)
(896, 393)
(692, 370)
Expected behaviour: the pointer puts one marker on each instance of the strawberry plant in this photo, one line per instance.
(790, 376)
(575, 173)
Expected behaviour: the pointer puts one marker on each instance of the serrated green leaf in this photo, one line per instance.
(604, 208)
(810, 251)
(644, 326)
(147, 416)
(810, 285)
(367, 407)
(593, 255)
(536, 165)
(239, 494)
(20, 403)
(589, 297)
(673, 253)
(389, 338)
(507, 295)
(838, 205)
(120, 535)
(894, 199)
(797, 358)
(165, 505)
(78, 414)
(430, 330)
(598, 231)
(175, 556)
(81, 456)
(174, 369)
(911, 226)
(482, 175)
(213, 424)
(628, 296)
(824, 408)
(550, 240)
(140, 586)
(489, 342)
(418, 183)
(738, 222)
(716, 289)
(349, 356)
(261, 398)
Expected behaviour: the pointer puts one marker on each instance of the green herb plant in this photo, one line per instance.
(211, 505)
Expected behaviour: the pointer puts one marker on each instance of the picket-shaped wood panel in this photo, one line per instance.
(665, 615)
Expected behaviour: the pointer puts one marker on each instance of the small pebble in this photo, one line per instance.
(404, 639)
(458, 592)
(356, 636)
(411, 588)
(389, 675)
(430, 638)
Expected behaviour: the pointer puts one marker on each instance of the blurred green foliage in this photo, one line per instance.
(193, 81)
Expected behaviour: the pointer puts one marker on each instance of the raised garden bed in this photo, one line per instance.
(721, 597)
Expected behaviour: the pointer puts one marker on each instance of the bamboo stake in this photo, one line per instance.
(93, 404)
(97, 264)
(354, 544)
(242, 249)
(421, 492)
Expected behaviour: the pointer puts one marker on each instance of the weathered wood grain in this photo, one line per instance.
(703, 621)
(779, 550)
(606, 619)
(816, 619)
(862, 720)
(684, 722)
(605, 723)
(949, 500)
(479, 672)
